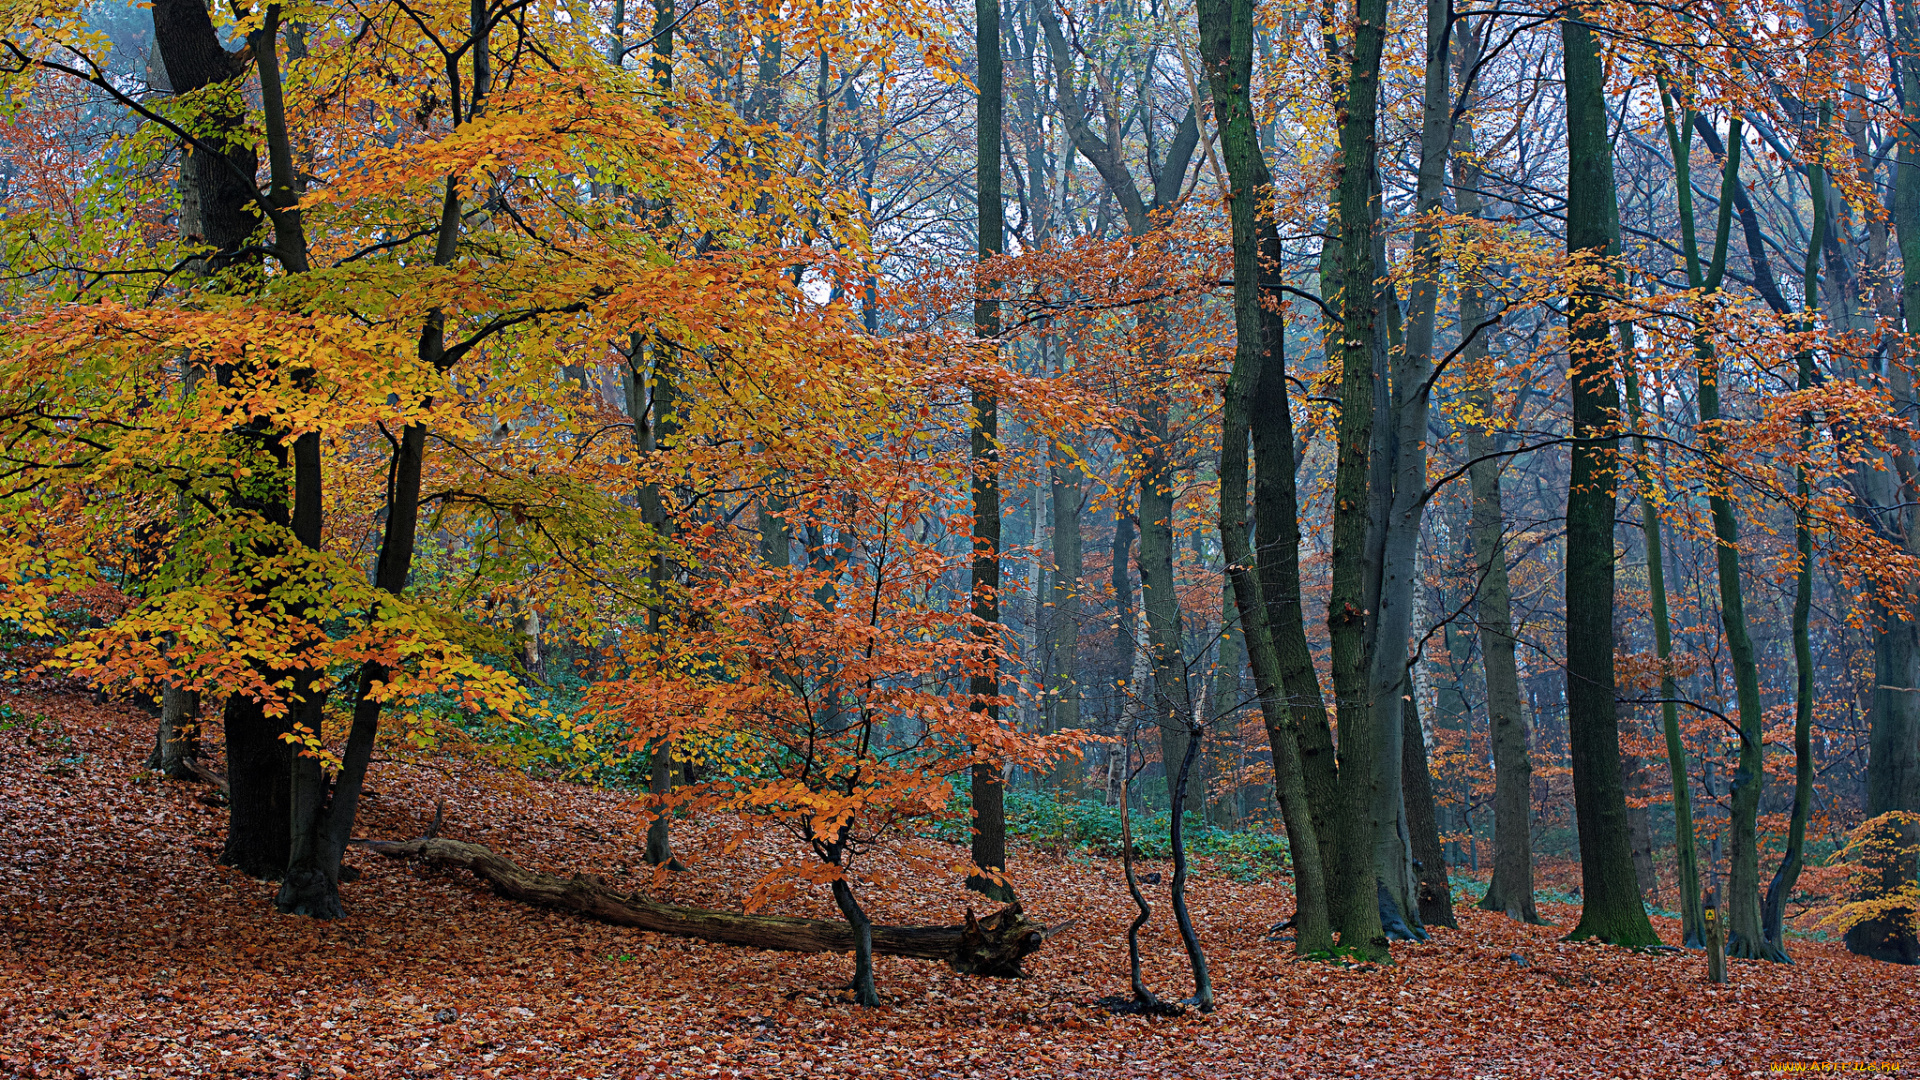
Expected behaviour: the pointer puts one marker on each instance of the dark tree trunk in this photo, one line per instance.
(991, 946)
(1177, 837)
(1612, 909)
(259, 782)
(1893, 762)
(218, 176)
(989, 799)
(1358, 516)
(1433, 890)
(1226, 44)
(177, 738)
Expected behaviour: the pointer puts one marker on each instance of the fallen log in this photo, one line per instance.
(991, 946)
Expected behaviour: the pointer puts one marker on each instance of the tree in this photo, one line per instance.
(1612, 910)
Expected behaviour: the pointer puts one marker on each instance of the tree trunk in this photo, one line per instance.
(1893, 761)
(1406, 434)
(1745, 937)
(221, 184)
(991, 946)
(1633, 774)
(1350, 603)
(177, 740)
(1511, 889)
(323, 814)
(1612, 910)
(1172, 692)
(1434, 891)
(1773, 908)
(1276, 510)
(1064, 621)
(1226, 42)
(1177, 839)
(989, 805)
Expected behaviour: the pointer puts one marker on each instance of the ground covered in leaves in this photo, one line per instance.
(125, 951)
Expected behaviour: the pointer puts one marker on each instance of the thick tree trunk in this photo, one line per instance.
(1434, 892)
(1276, 512)
(989, 800)
(221, 185)
(1612, 909)
(177, 738)
(992, 946)
(1357, 524)
(1893, 761)
(259, 781)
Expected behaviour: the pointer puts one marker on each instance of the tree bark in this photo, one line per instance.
(991, 946)
(1434, 892)
(1773, 908)
(1893, 749)
(1357, 523)
(1405, 430)
(989, 800)
(1612, 910)
(1510, 891)
(1226, 43)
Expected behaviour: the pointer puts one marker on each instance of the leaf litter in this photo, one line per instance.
(128, 952)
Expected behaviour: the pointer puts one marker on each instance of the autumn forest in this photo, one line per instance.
(1056, 538)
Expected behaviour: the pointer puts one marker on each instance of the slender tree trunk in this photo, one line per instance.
(1511, 889)
(1172, 692)
(1226, 37)
(1612, 910)
(1177, 838)
(989, 806)
(1773, 912)
(1745, 937)
(323, 814)
(1685, 847)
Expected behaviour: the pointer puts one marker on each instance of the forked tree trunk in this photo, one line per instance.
(1226, 43)
(1405, 431)
(1745, 936)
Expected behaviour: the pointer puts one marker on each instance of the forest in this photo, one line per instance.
(1071, 537)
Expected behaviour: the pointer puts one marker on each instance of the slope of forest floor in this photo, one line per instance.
(128, 952)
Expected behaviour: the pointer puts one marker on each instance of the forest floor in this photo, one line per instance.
(129, 952)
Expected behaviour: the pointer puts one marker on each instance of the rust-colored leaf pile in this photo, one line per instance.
(129, 952)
